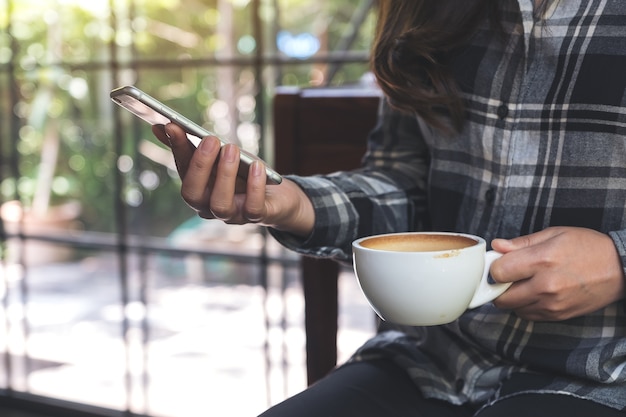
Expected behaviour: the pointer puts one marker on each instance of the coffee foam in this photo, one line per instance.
(418, 242)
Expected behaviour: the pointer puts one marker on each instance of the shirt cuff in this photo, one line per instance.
(336, 221)
(619, 238)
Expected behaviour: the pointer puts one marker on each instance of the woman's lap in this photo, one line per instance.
(547, 405)
(365, 389)
(381, 389)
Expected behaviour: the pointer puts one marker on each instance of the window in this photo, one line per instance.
(114, 294)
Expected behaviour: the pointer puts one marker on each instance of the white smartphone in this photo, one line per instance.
(154, 112)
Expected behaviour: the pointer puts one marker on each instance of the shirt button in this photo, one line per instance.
(490, 195)
(502, 111)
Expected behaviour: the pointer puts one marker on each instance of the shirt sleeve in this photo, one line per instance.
(388, 194)
(619, 239)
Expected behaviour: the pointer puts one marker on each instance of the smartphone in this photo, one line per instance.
(154, 112)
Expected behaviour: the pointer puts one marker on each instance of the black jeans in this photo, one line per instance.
(381, 389)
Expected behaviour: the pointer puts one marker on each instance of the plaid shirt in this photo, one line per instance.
(544, 145)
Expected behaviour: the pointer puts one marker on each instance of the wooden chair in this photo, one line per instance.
(318, 131)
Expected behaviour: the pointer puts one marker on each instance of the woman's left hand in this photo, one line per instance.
(558, 273)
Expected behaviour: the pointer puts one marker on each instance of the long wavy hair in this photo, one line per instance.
(409, 57)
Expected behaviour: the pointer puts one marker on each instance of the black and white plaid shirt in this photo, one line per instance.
(544, 145)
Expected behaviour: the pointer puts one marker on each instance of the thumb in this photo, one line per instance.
(521, 242)
(504, 245)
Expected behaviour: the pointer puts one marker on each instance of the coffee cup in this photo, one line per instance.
(424, 278)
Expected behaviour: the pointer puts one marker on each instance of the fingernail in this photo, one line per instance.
(208, 145)
(257, 169)
(230, 153)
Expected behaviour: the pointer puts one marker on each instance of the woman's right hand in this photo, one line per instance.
(211, 187)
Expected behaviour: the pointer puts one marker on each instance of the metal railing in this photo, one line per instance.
(131, 249)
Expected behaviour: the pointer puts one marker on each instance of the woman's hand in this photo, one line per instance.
(558, 273)
(211, 187)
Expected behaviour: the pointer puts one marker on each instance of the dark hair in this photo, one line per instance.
(413, 39)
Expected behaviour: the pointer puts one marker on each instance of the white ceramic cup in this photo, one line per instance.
(424, 278)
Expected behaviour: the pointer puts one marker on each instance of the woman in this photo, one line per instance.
(504, 119)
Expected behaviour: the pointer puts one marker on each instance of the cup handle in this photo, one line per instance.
(486, 291)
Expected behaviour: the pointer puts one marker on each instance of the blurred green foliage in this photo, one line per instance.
(60, 58)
